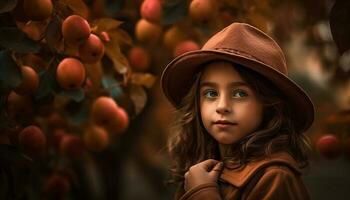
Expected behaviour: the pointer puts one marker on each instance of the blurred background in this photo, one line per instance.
(82, 114)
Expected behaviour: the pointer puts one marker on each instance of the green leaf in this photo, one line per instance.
(45, 85)
(120, 62)
(139, 97)
(112, 86)
(77, 112)
(144, 79)
(120, 36)
(10, 72)
(174, 11)
(53, 35)
(76, 94)
(7, 5)
(14, 39)
(77, 6)
(106, 24)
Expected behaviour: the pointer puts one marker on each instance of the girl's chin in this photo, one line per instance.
(224, 139)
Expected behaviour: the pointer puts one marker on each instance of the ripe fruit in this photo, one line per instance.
(37, 10)
(202, 10)
(33, 140)
(96, 138)
(173, 36)
(71, 146)
(151, 10)
(19, 106)
(103, 109)
(30, 81)
(184, 47)
(55, 121)
(57, 136)
(57, 185)
(121, 121)
(329, 146)
(75, 30)
(139, 59)
(147, 31)
(92, 50)
(106, 113)
(70, 73)
(105, 36)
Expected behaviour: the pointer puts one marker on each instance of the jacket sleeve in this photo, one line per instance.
(277, 182)
(208, 191)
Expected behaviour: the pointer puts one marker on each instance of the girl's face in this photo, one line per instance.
(229, 108)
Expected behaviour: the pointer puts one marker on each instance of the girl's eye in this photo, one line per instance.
(239, 94)
(210, 93)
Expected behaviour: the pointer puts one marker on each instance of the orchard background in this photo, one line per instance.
(82, 115)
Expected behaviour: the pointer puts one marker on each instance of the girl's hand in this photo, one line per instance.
(207, 171)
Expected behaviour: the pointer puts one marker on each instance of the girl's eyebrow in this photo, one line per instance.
(232, 84)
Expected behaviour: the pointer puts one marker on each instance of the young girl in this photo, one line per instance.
(240, 120)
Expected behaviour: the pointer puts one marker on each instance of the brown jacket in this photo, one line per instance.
(276, 177)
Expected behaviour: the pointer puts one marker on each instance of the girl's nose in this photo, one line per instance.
(223, 105)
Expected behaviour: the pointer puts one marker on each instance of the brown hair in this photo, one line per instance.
(191, 143)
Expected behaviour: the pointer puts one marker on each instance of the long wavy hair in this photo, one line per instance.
(191, 143)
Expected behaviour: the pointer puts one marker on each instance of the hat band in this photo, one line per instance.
(239, 53)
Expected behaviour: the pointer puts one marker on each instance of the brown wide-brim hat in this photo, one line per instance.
(249, 47)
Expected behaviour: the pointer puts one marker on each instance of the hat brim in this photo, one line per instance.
(183, 68)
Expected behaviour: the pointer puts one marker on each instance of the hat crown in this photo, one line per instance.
(250, 42)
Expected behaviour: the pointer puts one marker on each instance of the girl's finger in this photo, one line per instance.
(217, 169)
(186, 174)
(209, 164)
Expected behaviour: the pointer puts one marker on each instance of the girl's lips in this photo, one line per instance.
(223, 124)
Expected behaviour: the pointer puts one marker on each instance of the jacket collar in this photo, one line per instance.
(239, 177)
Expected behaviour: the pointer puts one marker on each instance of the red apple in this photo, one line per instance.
(92, 50)
(202, 10)
(329, 146)
(75, 30)
(151, 10)
(57, 136)
(72, 146)
(55, 121)
(96, 138)
(173, 36)
(70, 73)
(147, 32)
(139, 59)
(19, 106)
(103, 109)
(106, 113)
(38, 10)
(121, 121)
(33, 140)
(57, 185)
(30, 81)
(185, 46)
